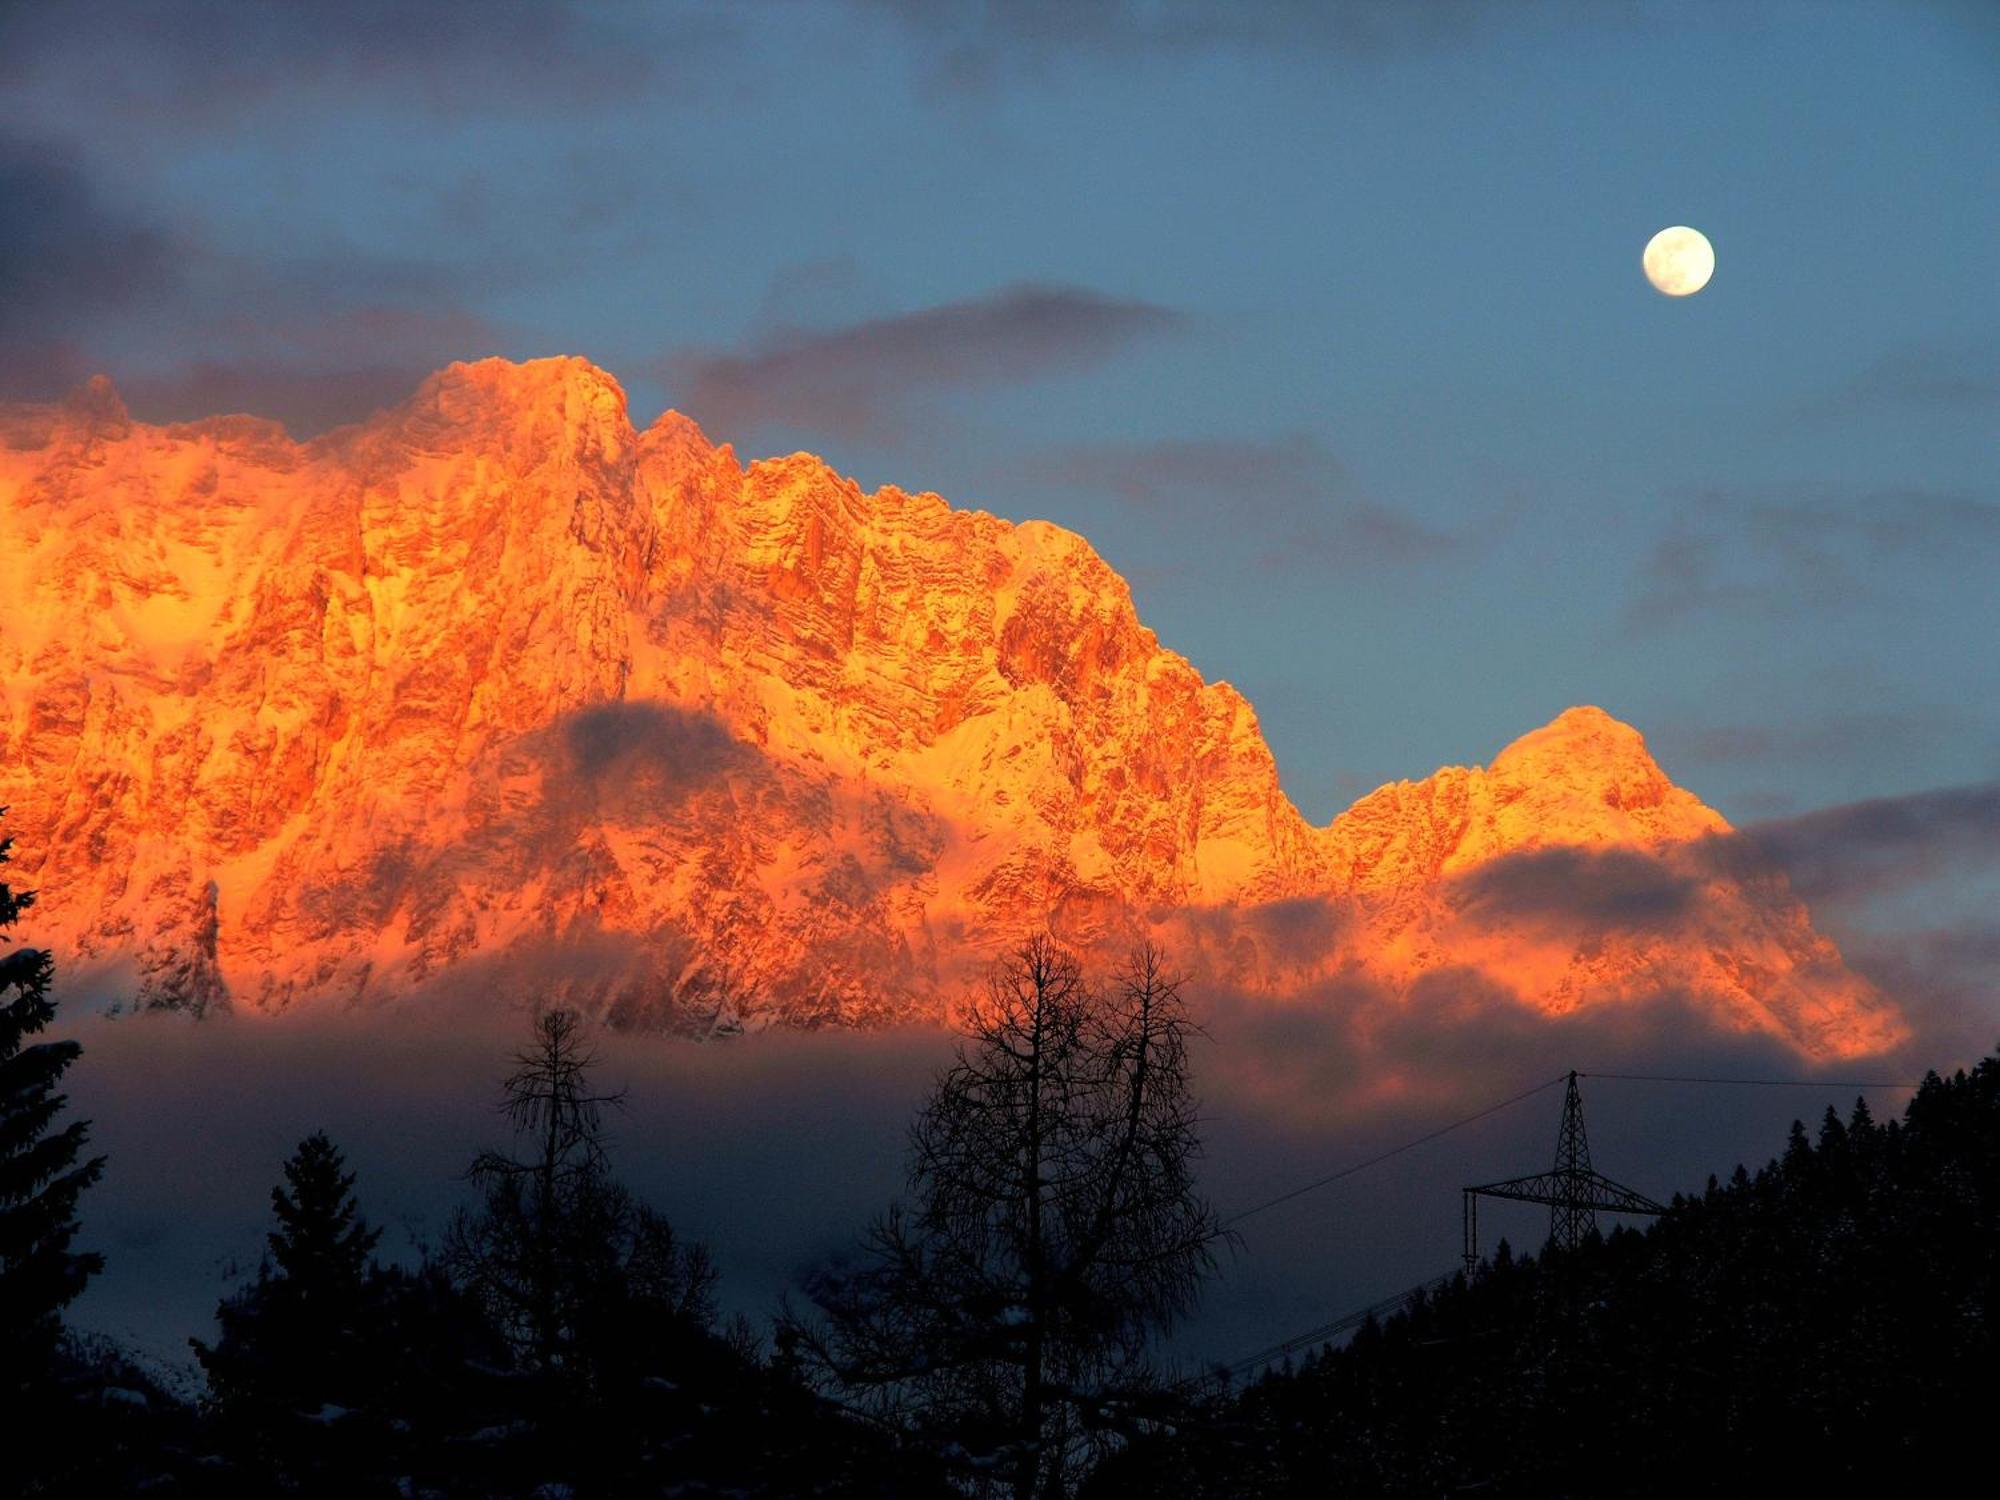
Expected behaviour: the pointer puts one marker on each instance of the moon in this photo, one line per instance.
(1679, 261)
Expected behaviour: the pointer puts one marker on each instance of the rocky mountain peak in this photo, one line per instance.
(678, 434)
(523, 411)
(492, 692)
(1586, 777)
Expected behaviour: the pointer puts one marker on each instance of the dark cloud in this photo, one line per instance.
(1943, 978)
(1290, 489)
(195, 64)
(1305, 926)
(311, 342)
(300, 350)
(68, 259)
(1598, 889)
(1850, 853)
(980, 43)
(774, 1152)
(1863, 850)
(94, 277)
(777, 1148)
(306, 402)
(1770, 555)
(638, 737)
(862, 380)
(1295, 1093)
(1359, 535)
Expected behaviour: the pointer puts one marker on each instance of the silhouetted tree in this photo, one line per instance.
(321, 1243)
(301, 1333)
(1006, 1314)
(40, 1178)
(564, 1261)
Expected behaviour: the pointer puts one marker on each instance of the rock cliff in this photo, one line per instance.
(496, 690)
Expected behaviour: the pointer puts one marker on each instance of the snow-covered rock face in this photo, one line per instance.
(494, 690)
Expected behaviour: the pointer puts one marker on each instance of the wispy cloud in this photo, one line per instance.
(1863, 850)
(984, 42)
(1773, 553)
(305, 402)
(1875, 736)
(68, 258)
(188, 65)
(311, 367)
(1849, 852)
(1593, 889)
(1214, 471)
(1287, 494)
(1942, 978)
(311, 341)
(1963, 376)
(865, 378)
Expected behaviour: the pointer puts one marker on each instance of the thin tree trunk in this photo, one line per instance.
(1029, 1470)
(545, 1251)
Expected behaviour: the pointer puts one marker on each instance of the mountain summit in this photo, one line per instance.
(494, 690)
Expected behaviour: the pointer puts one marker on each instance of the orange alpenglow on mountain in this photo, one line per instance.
(495, 692)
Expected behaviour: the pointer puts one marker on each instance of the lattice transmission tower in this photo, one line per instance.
(1574, 1191)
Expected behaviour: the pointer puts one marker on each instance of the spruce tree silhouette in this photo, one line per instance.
(321, 1244)
(40, 1178)
(300, 1334)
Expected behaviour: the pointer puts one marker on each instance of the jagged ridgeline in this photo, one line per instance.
(1823, 1326)
(494, 690)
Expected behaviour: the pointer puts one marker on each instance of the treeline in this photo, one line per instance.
(1824, 1325)
(990, 1334)
(562, 1340)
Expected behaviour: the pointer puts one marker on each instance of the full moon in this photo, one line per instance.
(1679, 261)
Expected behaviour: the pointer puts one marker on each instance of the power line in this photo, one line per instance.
(1355, 1319)
(1763, 1083)
(1394, 1151)
(1343, 1324)
(1493, 1109)
(1339, 1325)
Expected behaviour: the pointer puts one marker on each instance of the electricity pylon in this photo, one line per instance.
(1573, 1190)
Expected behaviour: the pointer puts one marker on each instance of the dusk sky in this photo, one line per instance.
(1325, 323)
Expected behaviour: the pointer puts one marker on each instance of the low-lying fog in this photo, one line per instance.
(776, 1149)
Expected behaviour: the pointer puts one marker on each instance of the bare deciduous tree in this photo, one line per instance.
(559, 1251)
(1054, 1229)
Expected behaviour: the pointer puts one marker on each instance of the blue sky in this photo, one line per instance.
(1324, 322)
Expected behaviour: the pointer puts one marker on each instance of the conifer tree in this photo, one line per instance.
(40, 1179)
(321, 1243)
(299, 1333)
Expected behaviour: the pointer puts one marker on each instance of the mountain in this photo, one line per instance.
(494, 691)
